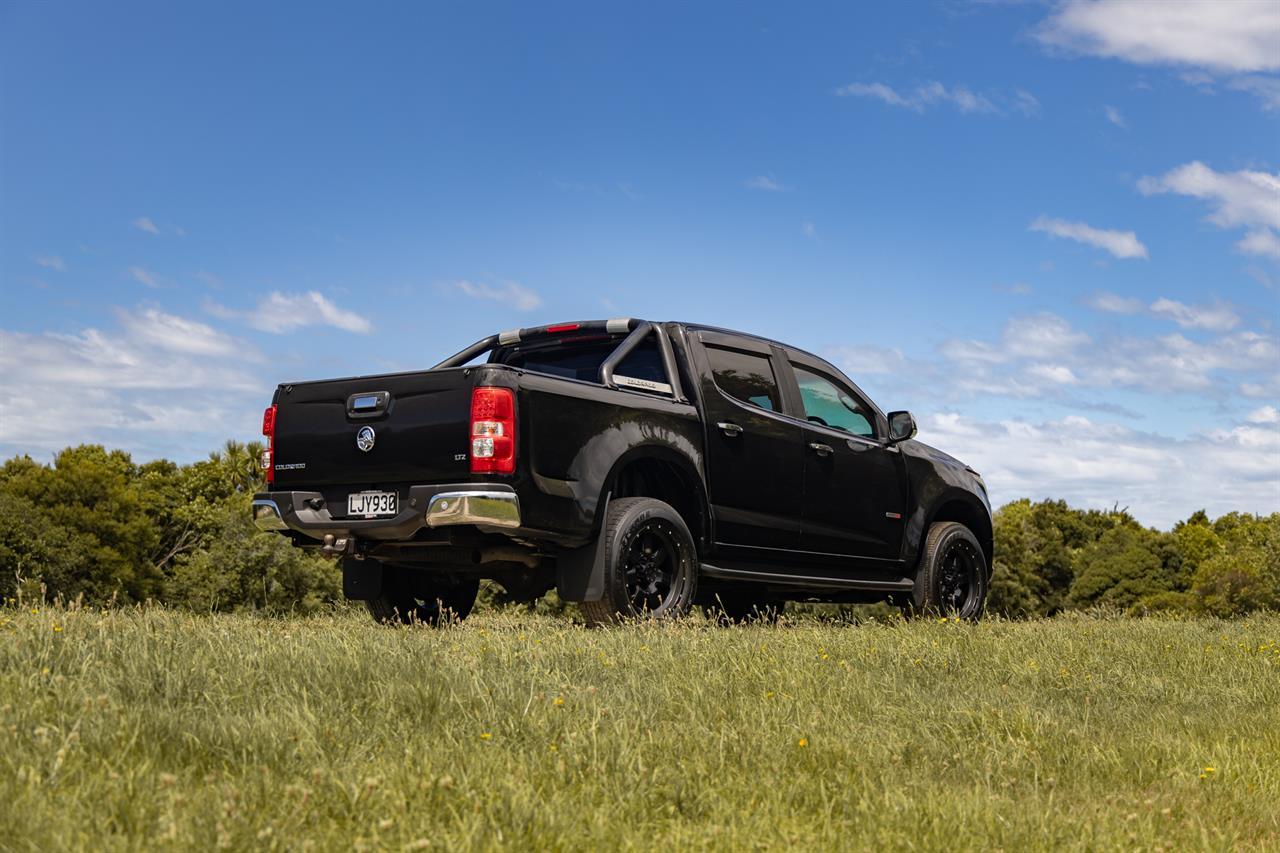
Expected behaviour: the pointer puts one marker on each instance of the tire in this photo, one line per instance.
(415, 596)
(737, 608)
(651, 564)
(952, 576)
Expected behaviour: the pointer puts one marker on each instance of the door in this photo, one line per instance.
(854, 483)
(754, 459)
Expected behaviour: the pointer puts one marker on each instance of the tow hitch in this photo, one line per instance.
(334, 547)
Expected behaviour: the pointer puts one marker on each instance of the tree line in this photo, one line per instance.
(98, 527)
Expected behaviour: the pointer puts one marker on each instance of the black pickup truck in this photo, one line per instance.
(639, 468)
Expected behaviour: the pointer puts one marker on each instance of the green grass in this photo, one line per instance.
(145, 728)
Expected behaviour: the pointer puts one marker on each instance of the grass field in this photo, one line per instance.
(146, 728)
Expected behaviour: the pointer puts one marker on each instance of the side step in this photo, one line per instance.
(807, 581)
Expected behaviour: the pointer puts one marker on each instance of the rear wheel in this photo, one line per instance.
(952, 577)
(651, 563)
(411, 596)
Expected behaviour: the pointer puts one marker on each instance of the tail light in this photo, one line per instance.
(269, 455)
(493, 431)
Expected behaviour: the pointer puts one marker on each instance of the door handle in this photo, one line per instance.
(730, 429)
(820, 448)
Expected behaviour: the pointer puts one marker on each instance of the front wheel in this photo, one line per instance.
(952, 577)
(651, 564)
(410, 596)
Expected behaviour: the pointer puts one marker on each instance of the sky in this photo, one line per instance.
(1051, 230)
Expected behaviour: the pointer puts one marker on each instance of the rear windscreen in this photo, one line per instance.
(582, 361)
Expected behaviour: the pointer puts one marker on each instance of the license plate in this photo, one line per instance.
(371, 504)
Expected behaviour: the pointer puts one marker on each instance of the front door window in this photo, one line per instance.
(826, 404)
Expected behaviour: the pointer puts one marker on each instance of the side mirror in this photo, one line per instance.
(901, 426)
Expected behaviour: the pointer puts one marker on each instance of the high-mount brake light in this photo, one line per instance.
(563, 327)
(269, 455)
(493, 430)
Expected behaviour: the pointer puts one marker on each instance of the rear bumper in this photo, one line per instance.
(484, 505)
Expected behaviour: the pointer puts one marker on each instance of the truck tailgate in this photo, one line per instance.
(419, 430)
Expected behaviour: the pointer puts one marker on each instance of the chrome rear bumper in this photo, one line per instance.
(492, 509)
(484, 505)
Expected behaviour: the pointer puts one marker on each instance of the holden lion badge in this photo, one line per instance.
(365, 438)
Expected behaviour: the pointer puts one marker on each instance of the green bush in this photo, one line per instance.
(238, 568)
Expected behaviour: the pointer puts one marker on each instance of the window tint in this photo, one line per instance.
(644, 362)
(746, 377)
(583, 360)
(572, 361)
(827, 404)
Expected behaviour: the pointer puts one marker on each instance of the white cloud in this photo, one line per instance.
(169, 333)
(1218, 317)
(764, 182)
(933, 93)
(1237, 198)
(1058, 374)
(144, 276)
(1223, 35)
(144, 223)
(1267, 89)
(809, 230)
(51, 262)
(1090, 464)
(1015, 365)
(283, 312)
(1041, 336)
(1260, 241)
(1122, 244)
(510, 293)
(150, 353)
(158, 385)
(1115, 116)
(1264, 415)
(1115, 304)
(1246, 199)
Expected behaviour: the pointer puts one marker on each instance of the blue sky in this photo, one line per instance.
(1050, 229)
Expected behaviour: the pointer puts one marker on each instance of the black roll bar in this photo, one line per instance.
(633, 339)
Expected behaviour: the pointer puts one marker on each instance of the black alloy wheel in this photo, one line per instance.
(650, 564)
(952, 577)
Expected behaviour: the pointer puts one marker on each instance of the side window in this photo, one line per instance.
(827, 404)
(746, 377)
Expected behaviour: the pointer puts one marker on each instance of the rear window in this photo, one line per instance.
(745, 377)
(582, 361)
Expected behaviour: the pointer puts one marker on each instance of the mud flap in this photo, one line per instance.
(361, 579)
(580, 571)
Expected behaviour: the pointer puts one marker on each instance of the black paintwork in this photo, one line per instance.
(843, 522)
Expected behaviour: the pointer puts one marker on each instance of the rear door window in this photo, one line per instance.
(745, 376)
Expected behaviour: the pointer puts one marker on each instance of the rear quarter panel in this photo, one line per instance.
(577, 435)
